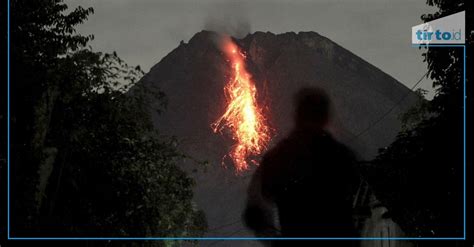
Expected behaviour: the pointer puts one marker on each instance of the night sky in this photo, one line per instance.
(144, 31)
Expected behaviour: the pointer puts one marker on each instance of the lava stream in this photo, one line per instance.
(243, 117)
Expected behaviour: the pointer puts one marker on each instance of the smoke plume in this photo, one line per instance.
(228, 18)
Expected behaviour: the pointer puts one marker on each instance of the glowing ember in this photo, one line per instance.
(242, 116)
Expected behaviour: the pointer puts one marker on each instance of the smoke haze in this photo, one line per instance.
(228, 18)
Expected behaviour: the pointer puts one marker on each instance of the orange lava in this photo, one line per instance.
(243, 117)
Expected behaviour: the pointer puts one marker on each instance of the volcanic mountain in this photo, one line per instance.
(366, 105)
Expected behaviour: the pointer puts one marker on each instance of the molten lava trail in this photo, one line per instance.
(243, 116)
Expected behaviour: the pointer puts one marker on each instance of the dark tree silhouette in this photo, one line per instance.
(420, 175)
(85, 158)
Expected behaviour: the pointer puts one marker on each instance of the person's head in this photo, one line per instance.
(312, 108)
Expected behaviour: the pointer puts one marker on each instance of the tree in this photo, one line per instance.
(419, 176)
(86, 159)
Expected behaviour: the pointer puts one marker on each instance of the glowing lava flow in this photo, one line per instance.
(242, 116)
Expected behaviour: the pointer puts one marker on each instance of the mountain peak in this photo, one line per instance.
(193, 77)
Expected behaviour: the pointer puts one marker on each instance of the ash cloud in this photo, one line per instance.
(228, 18)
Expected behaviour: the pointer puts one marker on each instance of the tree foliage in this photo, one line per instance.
(420, 175)
(86, 159)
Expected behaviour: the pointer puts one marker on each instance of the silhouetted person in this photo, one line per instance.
(309, 177)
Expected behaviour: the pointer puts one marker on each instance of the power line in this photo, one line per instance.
(389, 110)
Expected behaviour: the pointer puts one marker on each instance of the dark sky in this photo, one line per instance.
(144, 31)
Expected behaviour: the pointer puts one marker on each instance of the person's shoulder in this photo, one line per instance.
(277, 149)
(280, 150)
(342, 148)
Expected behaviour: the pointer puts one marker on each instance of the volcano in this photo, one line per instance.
(366, 106)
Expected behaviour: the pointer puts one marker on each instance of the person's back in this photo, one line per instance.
(308, 176)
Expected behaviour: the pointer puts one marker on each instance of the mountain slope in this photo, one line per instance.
(193, 77)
